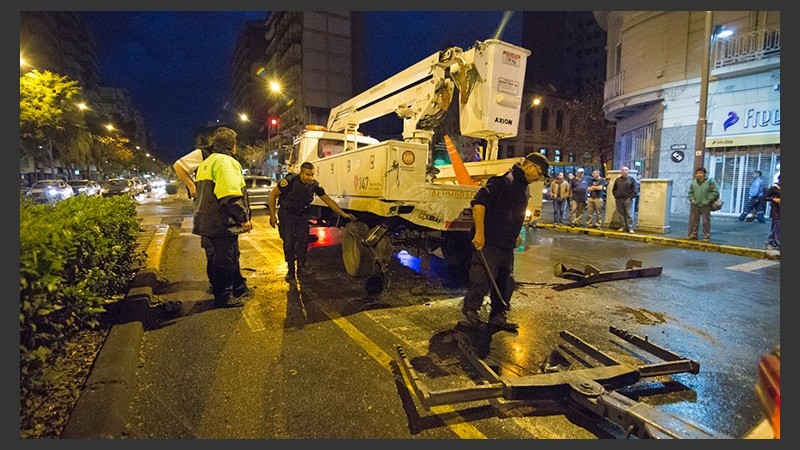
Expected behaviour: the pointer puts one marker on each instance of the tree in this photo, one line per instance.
(253, 156)
(591, 131)
(112, 154)
(48, 112)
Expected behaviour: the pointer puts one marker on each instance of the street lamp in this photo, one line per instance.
(700, 130)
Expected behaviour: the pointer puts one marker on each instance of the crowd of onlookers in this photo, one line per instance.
(579, 201)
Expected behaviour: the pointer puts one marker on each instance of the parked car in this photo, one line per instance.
(85, 187)
(258, 188)
(49, 191)
(137, 185)
(117, 186)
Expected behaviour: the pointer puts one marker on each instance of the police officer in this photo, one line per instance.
(294, 194)
(502, 203)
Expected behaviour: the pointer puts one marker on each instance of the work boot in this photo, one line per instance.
(243, 294)
(500, 320)
(472, 317)
(234, 302)
(227, 301)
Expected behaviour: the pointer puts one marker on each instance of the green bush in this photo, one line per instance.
(75, 257)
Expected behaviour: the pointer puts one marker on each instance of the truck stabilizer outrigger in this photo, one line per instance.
(590, 388)
(633, 269)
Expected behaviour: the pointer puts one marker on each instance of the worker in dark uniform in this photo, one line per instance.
(221, 214)
(294, 194)
(501, 203)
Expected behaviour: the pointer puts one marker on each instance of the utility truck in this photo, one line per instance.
(390, 186)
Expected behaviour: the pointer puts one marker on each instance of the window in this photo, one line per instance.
(618, 59)
(559, 120)
(529, 120)
(545, 119)
(636, 151)
(557, 155)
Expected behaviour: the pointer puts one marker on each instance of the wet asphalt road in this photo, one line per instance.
(318, 360)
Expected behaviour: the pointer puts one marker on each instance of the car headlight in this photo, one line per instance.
(52, 192)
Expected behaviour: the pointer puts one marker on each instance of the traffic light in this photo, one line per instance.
(273, 122)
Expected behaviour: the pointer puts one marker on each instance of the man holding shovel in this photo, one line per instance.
(498, 211)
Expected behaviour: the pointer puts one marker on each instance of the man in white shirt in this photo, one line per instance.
(185, 169)
(187, 165)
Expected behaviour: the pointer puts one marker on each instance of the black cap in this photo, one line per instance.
(540, 160)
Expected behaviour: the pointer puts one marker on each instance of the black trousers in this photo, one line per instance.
(225, 275)
(501, 266)
(293, 230)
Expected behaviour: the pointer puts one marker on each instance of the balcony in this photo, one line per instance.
(747, 46)
(748, 51)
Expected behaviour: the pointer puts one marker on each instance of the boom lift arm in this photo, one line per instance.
(489, 77)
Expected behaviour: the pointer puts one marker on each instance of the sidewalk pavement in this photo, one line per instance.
(102, 408)
(728, 235)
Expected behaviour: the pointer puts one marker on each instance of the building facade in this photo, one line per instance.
(567, 61)
(309, 53)
(653, 88)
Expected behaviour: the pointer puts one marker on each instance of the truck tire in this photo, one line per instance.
(359, 259)
(457, 249)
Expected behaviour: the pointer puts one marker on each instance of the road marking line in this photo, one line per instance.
(447, 414)
(463, 430)
(753, 265)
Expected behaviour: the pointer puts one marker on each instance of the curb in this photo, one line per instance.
(103, 407)
(671, 242)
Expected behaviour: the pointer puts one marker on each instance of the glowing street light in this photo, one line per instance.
(274, 86)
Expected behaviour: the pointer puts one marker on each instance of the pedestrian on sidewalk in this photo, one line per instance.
(774, 197)
(560, 194)
(294, 194)
(624, 190)
(594, 205)
(703, 192)
(221, 214)
(577, 205)
(756, 204)
(502, 203)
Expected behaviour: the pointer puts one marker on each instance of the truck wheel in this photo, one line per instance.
(456, 249)
(360, 260)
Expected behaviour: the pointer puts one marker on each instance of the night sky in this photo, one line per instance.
(176, 65)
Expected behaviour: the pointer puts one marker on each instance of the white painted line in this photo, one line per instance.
(753, 265)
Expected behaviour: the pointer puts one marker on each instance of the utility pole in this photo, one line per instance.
(700, 131)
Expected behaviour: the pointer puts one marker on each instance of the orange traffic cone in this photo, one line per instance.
(462, 176)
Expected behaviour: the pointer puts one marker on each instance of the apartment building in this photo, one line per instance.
(654, 82)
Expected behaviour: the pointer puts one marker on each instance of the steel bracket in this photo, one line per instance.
(591, 275)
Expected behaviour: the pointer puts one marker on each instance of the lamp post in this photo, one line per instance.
(700, 130)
